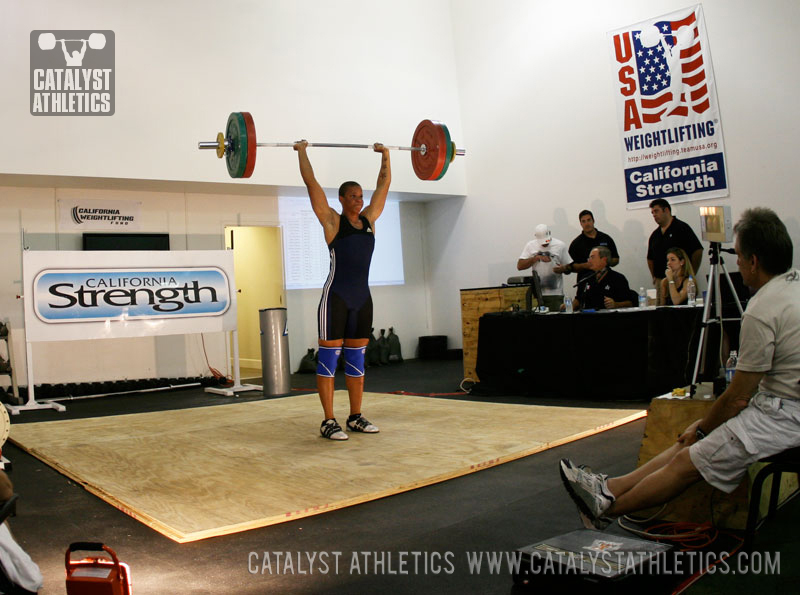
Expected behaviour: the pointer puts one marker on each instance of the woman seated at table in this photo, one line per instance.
(674, 285)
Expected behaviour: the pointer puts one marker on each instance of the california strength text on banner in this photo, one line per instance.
(76, 295)
(667, 109)
(85, 295)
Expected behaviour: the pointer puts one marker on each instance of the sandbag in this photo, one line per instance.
(393, 341)
(308, 364)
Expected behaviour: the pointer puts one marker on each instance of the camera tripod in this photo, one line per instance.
(714, 296)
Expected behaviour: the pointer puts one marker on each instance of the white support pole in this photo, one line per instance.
(12, 362)
(237, 387)
(32, 403)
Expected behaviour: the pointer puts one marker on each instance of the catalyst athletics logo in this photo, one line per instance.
(72, 73)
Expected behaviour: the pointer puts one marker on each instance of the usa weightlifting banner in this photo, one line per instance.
(670, 126)
(103, 295)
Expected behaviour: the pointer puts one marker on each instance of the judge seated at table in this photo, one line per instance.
(674, 287)
(604, 288)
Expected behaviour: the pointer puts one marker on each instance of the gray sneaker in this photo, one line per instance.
(586, 468)
(331, 430)
(589, 491)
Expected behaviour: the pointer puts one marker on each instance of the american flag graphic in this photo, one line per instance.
(670, 68)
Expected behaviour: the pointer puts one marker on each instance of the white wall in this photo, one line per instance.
(537, 102)
(347, 71)
(509, 77)
(350, 71)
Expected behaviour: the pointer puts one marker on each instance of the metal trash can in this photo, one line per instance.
(274, 351)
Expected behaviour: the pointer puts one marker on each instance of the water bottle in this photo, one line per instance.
(567, 304)
(730, 367)
(642, 298)
(691, 292)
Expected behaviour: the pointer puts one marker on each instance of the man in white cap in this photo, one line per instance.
(549, 257)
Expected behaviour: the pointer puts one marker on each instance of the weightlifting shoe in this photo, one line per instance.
(359, 423)
(331, 430)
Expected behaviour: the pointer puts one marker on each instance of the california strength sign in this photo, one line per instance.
(667, 108)
(95, 295)
(72, 73)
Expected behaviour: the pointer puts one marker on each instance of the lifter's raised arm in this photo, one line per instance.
(319, 202)
(378, 200)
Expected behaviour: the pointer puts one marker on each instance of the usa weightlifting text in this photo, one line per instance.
(67, 90)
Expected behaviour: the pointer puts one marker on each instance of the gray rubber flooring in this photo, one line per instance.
(425, 541)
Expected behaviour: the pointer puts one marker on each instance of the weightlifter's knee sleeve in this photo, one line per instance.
(327, 360)
(354, 361)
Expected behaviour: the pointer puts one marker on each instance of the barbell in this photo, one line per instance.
(431, 148)
(47, 41)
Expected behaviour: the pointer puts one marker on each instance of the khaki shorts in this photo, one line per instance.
(767, 426)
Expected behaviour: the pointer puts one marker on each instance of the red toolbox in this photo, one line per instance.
(96, 575)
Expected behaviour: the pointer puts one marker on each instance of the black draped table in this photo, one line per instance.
(631, 353)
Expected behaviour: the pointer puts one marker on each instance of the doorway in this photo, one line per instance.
(258, 269)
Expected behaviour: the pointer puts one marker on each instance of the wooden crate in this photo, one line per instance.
(474, 304)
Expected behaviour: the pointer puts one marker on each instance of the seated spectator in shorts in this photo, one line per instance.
(674, 286)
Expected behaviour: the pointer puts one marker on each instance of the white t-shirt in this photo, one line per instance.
(552, 283)
(18, 566)
(770, 337)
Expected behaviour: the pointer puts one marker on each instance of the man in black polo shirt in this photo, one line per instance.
(604, 289)
(589, 238)
(670, 233)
